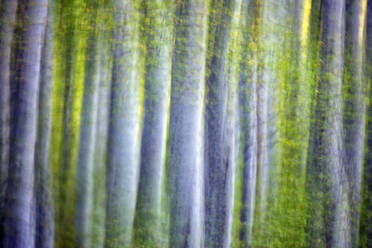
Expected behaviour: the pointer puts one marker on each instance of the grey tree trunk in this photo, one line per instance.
(44, 215)
(219, 127)
(124, 132)
(85, 163)
(312, 186)
(248, 116)
(101, 138)
(366, 217)
(354, 109)
(231, 130)
(156, 115)
(18, 208)
(186, 126)
(328, 225)
(8, 10)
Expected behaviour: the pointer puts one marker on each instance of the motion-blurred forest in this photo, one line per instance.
(186, 123)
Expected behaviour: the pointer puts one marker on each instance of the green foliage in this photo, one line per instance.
(280, 46)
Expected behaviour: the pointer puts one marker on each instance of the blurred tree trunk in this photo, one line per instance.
(19, 197)
(8, 10)
(219, 134)
(44, 215)
(158, 36)
(328, 225)
(85, 163)
(101, 135)
(354, 108)
(365, 230)
(248, 114)
(186, 125)
(124, 131)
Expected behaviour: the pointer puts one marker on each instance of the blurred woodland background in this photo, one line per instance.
(186, 123)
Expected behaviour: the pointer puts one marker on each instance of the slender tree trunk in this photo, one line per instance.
(219, 138)
(312, 186)
(186, 126)
(157, 90)
(366, 211)
(124, 133)
(85, 163)
(44, 233)
(18, 209)
(354, 108)
(101, 138)
(328, 223)
(337, 226)
(248, 115)
(231, 130)
(8, 10)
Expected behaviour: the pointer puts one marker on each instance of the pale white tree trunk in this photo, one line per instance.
(124, 130)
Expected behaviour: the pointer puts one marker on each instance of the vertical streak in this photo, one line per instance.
(85, 162)
(159, 33)
(8, 10)
(186, 122)
(124, 131)
(44, 215)
(19, 197)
